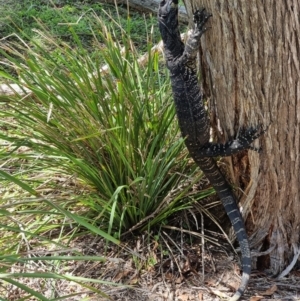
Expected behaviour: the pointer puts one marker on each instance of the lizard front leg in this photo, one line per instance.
(193, 42)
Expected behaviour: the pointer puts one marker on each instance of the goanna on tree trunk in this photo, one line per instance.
(193, 120)
(251, 72)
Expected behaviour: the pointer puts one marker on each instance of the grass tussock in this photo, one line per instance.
(92, 149)
(110, 127)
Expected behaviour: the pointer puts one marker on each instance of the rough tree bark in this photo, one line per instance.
(251, 72)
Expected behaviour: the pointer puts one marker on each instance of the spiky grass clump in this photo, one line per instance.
(111, 127)
(102, 122)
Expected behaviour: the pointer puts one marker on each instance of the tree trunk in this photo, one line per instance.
(251, 76)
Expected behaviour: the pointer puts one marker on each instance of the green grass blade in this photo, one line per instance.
(18, 182)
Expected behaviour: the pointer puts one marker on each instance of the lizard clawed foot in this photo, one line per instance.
(247, 136)
(242, 142)
(200, 19)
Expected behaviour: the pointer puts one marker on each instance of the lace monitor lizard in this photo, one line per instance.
(194, 122)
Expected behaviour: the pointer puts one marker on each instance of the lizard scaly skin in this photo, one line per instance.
(194, 122)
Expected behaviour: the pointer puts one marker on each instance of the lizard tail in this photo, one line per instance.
(214, 175)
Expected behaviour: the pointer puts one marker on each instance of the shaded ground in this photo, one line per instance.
(164, 281)
(147, 273)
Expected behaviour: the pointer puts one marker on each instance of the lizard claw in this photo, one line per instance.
(247, 136)
(200, 18)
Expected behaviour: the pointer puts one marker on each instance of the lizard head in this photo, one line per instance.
(168, 26)
(167, 12)
(166, 5)
(168, 19)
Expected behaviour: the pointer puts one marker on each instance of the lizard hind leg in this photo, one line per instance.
(231, 147)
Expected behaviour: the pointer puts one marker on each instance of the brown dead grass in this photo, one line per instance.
(149, 273)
